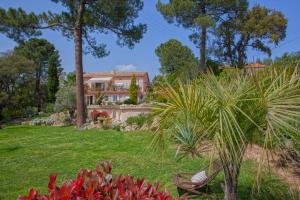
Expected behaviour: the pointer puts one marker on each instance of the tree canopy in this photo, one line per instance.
(99, 16)
(198, 16)
(41, 52)
(244, 28)
(177, 60)
(16, 85)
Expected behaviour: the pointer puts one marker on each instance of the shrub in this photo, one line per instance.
(99, 184)
(48, 108)
(119, 102)
(94, 115)
(116, 127)
(30, 111)
(138, 120)
(129, 101)
(107, 123)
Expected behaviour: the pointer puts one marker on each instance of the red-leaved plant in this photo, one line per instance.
(99, 185)
(95, 114)
(104, 114)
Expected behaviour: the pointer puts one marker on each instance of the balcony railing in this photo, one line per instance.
(117, 89)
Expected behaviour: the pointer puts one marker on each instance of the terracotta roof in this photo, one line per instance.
(113, 73)
(255, 65)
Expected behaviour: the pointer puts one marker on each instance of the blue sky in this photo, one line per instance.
(142, 57)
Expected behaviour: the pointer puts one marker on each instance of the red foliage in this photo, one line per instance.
(104, 114)
(99, 185)
(95, 114)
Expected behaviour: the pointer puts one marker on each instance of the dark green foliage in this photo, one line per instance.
(16, 85)
(133, 90)
(177, 60)
(256, 28)
(43, 54)
(99, 16)
(18, 25)
(198, 16)
(155, 95)
(53, 77)
(213, 66)
(48, 108)
(128, 101)
(288, 59)
(70, 79)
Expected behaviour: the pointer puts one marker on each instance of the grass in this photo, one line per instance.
(28, 154)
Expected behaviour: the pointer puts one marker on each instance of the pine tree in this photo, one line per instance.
(53, 77)
(197, 15)
(133, 90)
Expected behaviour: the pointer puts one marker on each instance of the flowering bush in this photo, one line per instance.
(99, 185)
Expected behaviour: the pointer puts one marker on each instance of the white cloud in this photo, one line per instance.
(125, 67)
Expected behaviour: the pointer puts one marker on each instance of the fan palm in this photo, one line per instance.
(232, 113)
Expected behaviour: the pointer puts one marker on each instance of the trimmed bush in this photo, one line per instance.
(129, 102)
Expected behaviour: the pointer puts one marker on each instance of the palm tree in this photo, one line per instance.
(232, 113)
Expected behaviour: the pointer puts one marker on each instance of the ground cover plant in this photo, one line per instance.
(29, 154)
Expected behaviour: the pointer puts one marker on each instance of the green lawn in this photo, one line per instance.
(29, 154)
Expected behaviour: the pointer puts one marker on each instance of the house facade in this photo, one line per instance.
(114, 86)
(249, 68)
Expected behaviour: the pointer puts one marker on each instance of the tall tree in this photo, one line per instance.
(198, 16)
(16, 84)
(40, 51)
(244, 28)
(133, 90)
(79, 21)
(177, 60)
(53, 77)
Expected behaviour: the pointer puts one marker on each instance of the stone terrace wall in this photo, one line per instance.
(121, 112)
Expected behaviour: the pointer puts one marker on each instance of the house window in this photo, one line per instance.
(91, 100)
(114, 97)
(105, 98)
(100, 86)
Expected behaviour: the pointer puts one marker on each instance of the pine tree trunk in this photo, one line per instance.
(79, 68)
(37, 90)
(203, 42)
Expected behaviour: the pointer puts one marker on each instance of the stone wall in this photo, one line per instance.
(120, 113)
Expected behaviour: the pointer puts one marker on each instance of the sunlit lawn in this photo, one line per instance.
(29, 154)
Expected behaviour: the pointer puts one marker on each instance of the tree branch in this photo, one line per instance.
(52, 26)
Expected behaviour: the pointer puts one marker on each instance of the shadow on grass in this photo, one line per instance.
(10, 149)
